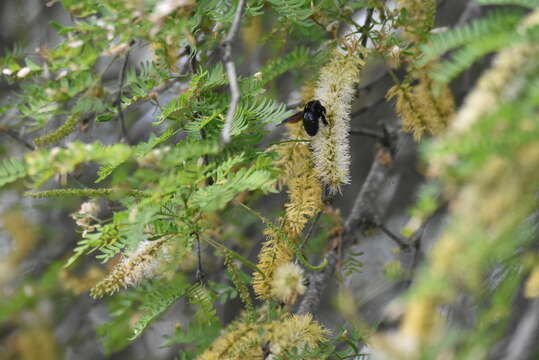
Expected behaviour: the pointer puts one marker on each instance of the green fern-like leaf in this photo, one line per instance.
(157, 300)
(111, 250)
(139, 151)
(463, 58)
(44, 164)
(234, 275)
(214, 10)
(11, 170)
(190, 149)
(297, 58)
(181, 107)
(215, 77)
(217, 196)
(352, 263)
(140, 84)
(262, 110)
(199, 294)
(105, 236)
(492, 25)
(89, 104)
(297, 11)
(130, 232)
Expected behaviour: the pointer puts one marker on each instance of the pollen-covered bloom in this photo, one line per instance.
(85, 217)
(286, 335)
(287, 283)
(89, 208)
(143, 263)
(331, 146)
(422, 111)
(304, 188)
(275, 251)
(298, 332)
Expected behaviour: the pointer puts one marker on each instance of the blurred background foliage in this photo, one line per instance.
(110, 118)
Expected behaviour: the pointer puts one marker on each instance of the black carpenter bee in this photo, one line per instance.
(312, 112)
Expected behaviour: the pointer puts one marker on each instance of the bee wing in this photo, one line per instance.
(292, 119)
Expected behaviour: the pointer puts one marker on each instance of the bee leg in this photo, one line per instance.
(323, 117)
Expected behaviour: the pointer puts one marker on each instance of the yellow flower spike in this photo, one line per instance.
(297, 331)
(249, 340)
(140, 265)
(275, 251)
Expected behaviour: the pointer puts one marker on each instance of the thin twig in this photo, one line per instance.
(415, 239)
(124, 136)
(385, 138)
(366, 27)
(15, 136)
(360, 219)
(206, 158)
(310, 231)
(315, 20)
(192, 58)
(200, 275)
(364, 109)
(231, 72)
(402, 244)
(369, 133)
(293, 106)
(415, 242)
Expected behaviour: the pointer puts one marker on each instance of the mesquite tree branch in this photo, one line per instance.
(121, 118)
(366, 27)
(15, 136)
(231, 72)
(362, 217)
